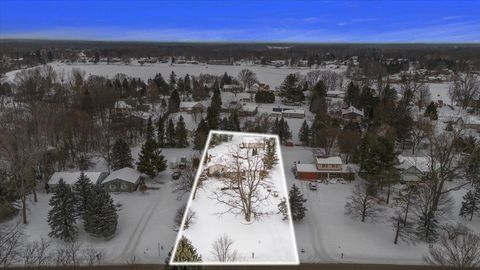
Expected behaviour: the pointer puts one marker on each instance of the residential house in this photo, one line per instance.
(352, 114)
(412, 169)
(324, 168)
(192, 107)
(122, 180)
(70, 178)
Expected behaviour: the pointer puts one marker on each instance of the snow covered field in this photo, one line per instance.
(269, 75)
(256, 241)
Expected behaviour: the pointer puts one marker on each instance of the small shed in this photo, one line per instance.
(293, 113)
(122, 180)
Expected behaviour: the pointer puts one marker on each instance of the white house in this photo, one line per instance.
(412, 168)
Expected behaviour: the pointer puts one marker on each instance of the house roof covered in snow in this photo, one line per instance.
(329, 160)
(420, 163)
(190, 104)
(71, 178)
(297, 111)
(126, 174)
(353, 110)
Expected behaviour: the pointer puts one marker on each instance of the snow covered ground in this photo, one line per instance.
(265, 74)
(326, 231)
(267, 240)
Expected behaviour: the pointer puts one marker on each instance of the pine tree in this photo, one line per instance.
(282, 208)
(146, 157)
(216, 98)
(213, 117)
(296, 204)
(431, 111)
(290, 89)
(171, 134)
(61, 216)
(161, 131)
(172, 81)
(186, 252)
(174, 102)
(270, 158)
(101, 216)
(150, 130)
(471, 203)
(233, 121)
(201, 134)
(352, 96)
(181, 133)
(304, 134)
(282, 129)
(81, 190)
(318, 101)
(121, 155)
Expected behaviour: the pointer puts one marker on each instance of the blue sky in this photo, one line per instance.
(269, 21)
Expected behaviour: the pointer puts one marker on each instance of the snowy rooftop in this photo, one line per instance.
(71, 178)
(294, 111)
(189, 104)
(421, 163)
(329, 160)
(309, 167)
(352, 109)
(126, 174)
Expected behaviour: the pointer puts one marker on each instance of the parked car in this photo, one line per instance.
(176, 175)
(312, 185)
(333, 181)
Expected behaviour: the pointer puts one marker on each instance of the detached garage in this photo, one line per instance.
(122, 180)
(306, 171)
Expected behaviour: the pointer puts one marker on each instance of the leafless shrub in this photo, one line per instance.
(10, 244)
(189, 219)
(222, 249)
(37, 253)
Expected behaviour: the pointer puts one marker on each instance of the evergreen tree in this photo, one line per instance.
(121, 155)
(282, 208)
(290, 89)
(201, 134)
(352, 97)
(61, 216)
(171, 134)
(281, 128)
(161, 131)
(150, 130)
(174, 102)
(431, 111)
(318, 102)
(101, 216)
(146, 159)
(186, 252)
(264, 97)
(87, 103)
(233, 121)
(304, 134)
(216, 98)
(471, 203)
(81, 190)
(213, 117)
(297, 200)
(270, 158)
(172, 81)
(188, 84)
(181, 133)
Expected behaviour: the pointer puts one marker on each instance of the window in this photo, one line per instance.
(123, 187)
(112, 187)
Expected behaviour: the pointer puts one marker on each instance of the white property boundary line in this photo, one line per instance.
(190, 199)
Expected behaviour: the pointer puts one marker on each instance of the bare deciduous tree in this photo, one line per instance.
(465, 89)
(10, 245)
(37, 253)
(362, 204)
(247, 78)
(245, 185)
(460, 251)
(222, 249)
